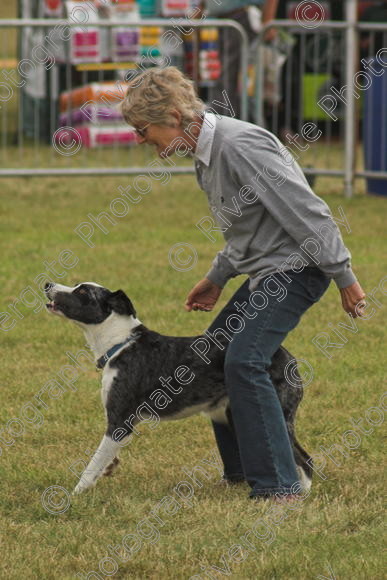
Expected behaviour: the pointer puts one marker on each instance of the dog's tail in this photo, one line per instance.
(304, 464)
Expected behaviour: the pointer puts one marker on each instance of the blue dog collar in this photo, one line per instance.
(101, 362)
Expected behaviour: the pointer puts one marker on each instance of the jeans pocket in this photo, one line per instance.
(318, 282)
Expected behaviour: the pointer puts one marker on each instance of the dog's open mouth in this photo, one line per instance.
(52, 306)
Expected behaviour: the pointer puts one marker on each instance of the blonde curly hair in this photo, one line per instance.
(155, 93)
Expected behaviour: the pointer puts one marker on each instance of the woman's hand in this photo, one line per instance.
(353, 299)
(203, 296)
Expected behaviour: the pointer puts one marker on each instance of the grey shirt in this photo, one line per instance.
(259, 197)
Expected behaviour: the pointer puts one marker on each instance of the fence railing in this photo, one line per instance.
(311, 101)
(321, 104)
(30, 119)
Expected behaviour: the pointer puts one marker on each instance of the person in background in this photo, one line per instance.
(230, 44)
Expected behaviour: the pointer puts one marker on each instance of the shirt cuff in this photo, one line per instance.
(346, 279)
(221, 271)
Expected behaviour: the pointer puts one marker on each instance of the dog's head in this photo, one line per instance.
(87, 303)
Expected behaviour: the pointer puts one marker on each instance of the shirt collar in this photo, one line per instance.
(205, 139)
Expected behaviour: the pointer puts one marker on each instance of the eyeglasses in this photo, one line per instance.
(142, 132)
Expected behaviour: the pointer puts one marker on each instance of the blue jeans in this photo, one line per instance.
(256, 446)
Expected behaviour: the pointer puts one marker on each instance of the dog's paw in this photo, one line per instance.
(305, 481)
(82, 485)
(110, 469)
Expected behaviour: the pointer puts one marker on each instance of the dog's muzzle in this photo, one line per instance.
(48, 290)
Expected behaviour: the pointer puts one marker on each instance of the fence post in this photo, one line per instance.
(244, 71)
(351, 52)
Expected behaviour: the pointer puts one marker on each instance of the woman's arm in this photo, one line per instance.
(285, 194)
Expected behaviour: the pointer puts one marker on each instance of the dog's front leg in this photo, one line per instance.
(103, 457)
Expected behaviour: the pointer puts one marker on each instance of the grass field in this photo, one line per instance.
(336, 532)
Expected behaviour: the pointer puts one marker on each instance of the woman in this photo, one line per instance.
(277, 232)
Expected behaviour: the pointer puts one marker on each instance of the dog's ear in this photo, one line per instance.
(120, 303)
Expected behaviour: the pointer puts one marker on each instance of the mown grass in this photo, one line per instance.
(338, 527)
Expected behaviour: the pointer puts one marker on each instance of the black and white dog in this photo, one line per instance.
(136, 362)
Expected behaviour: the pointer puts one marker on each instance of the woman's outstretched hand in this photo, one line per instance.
(203, 296)
(353, 299)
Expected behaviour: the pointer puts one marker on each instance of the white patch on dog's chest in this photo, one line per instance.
(109, 374)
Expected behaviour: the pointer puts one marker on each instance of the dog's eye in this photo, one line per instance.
(81, 290)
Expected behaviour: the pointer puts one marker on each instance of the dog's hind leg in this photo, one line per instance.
(100, 461)
(304, 465)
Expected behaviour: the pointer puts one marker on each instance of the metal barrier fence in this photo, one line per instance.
(30, 119)
(324, 101)
(311, 101)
